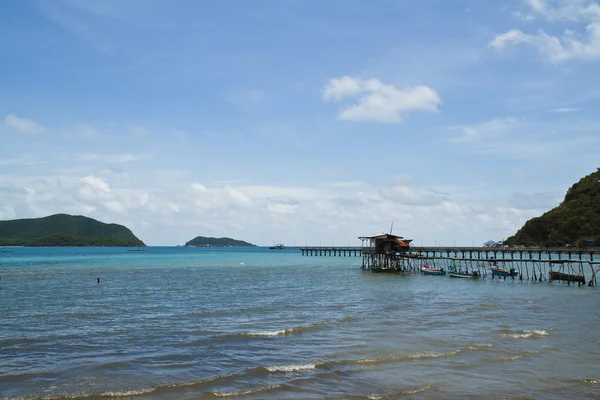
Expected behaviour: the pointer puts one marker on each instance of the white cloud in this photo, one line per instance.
(522, 139)
(339, 88)
(565, 110)
(23, 125)
(537, 5)
(96, 183)
(263, 214)
(115, 206)
(571, 45)
(567, 10)
(113, 158)
(378, 101)
(279, 208)
(484, 131)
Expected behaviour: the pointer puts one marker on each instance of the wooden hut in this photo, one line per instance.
(380, 252)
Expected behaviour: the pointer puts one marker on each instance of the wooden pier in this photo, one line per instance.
(389, 253)
(331, 251)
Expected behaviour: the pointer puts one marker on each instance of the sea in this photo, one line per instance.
(254, 323)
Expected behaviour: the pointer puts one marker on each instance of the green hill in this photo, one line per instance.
(216, 242)
(65, 230)
(576, 221)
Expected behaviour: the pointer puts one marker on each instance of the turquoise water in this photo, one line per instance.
(192, 323)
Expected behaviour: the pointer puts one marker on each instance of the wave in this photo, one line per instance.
(518, 356)
(403, 393)
(108, 394)
(477, 346)
(404, 357)
(292, 367)
(467, 310)
(592, 382)
(526, 334)
(246, 392)
(273, 369)
(229, 311)
(359, 361)
(276, 332)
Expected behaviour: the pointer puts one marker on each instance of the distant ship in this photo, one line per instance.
(277, 247)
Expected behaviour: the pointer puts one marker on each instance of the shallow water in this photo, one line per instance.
(179, 323)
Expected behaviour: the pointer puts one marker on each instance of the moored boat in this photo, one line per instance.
(472, 274)
(430, 271)
(561, 276)
(502, 272)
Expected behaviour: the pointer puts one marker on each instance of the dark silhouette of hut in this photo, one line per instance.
(385, 243)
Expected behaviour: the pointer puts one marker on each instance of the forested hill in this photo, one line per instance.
(576, 221)
(65, 230)
(216, 242)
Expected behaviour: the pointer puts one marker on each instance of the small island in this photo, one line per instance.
(201, 241)
(65, 230)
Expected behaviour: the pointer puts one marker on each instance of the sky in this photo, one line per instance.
(301, 122)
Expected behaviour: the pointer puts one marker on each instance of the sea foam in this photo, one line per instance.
(291, 367)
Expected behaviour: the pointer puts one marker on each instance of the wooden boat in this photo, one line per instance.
(427, 270)
(472, 274)
(561, 276)
(430, 271)
(502, 272)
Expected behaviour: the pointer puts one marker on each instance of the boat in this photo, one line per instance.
(472, 274)
(502, 272)
(427, 270)
(277, 247)
(430, 271)
(561, 276)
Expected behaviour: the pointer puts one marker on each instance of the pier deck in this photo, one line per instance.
(564, 264)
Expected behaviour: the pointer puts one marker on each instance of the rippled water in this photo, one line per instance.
(179, 323)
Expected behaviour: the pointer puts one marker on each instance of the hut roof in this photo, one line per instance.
(381, 236)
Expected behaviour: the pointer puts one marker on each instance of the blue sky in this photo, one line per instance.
(298, 121)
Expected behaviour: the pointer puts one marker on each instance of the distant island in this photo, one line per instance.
(575, 222)
(201, 241)
(65, 230)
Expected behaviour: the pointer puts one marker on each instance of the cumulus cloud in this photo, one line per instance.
(23, 125)
(378, 101)
(572, 44)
